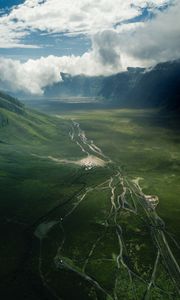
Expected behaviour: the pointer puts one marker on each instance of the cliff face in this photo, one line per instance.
(137, 87)
(79, 85)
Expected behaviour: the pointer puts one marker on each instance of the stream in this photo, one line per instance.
(125, 196)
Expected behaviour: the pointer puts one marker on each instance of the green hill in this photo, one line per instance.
(31, 186)
(11, 104)
(27, 138)
(30, 130)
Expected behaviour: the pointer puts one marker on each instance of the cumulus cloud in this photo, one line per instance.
(67, 16)
(157, 40)
(105, 48)
(141, 44)
(137, 44)
(33, 75)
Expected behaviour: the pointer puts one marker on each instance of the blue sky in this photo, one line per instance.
(49, 44)
(6, 4)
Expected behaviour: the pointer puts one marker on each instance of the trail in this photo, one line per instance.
(125, 196)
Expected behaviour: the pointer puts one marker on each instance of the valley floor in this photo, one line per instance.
(90, 211)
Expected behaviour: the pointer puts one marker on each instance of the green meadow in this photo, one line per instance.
(145, 144)
(67, 231)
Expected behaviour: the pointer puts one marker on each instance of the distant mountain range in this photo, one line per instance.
(137, 87)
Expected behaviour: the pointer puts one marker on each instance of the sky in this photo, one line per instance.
(41, 38)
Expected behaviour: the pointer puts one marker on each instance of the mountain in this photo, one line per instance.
(75, 86)
(117, 88)
(156, 87)
(137, 87)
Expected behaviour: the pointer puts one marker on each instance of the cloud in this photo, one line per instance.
(141, 44)
(137, 44)
(105, 48)
(157, 40)
(30, 76)
(33, 75)
(67, 16)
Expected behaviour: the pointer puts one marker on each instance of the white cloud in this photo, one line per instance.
(68, 16)
(33, 75)
(158, 40)
(30, 76)
(138, 44)
(142, 44)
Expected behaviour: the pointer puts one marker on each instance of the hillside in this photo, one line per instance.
(31, 186)
(30, 130)
(11, 103)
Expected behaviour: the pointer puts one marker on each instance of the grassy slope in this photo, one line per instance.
(22, 174)
(30, 187)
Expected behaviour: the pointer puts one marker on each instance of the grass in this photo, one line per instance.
(144, 146)
(35, 189)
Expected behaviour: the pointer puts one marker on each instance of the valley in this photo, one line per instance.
(90, 150)
(89, 204)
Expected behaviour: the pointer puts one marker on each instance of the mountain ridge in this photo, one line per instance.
(155, 87)
(137, 87)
